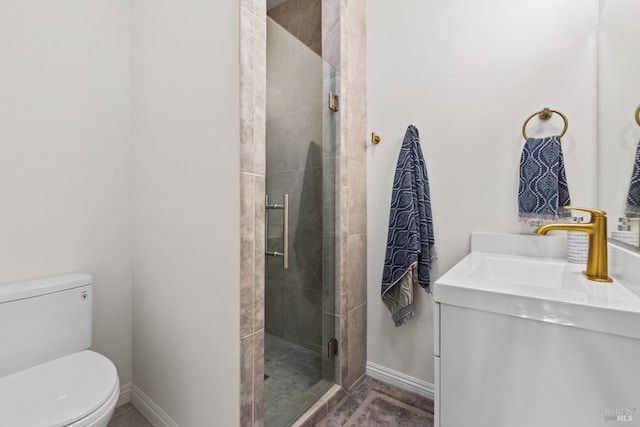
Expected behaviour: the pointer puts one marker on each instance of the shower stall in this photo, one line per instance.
(300, 231)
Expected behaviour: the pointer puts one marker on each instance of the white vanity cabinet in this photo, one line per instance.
(517, 348)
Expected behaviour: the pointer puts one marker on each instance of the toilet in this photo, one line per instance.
(48, 375)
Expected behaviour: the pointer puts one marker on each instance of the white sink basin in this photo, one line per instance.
(525, 340)
(520, 270)
(546, 289)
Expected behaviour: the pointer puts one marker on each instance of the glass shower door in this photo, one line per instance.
(300, 237)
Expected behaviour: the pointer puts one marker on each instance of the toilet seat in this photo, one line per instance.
(101, 416)
(68, 391)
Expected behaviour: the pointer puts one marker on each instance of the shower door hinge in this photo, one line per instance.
(332, 348)
(334, 102)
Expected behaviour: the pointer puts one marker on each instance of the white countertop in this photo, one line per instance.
(511, 277)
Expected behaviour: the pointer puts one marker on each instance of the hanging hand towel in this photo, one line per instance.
(543, 188)
(633, 198)
(410, 241)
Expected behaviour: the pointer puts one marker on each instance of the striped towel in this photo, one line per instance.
(633, 197)
(543, 188)
(410, 241)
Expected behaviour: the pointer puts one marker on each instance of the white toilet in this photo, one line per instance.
(48, 377)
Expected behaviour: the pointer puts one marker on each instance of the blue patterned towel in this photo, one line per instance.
(543, 188)
(410, 242)
(633, 198)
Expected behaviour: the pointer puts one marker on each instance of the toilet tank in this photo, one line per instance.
(43, 319)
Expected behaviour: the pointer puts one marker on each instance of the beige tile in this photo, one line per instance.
(329, 201)
(247, 253)
(331, 32)
(286, 14)
(357, 344)
(260, 96)
(336, 365)
(344, 53)
(247, 71)
(343, 303)
(317, 48)
(330, 119)
(260, 8)
(334, 396)
(342, 248)
(343, 118)
(357, 197)
(338, 149)
(258, 378)
(313, 416)
(310, 24)
(357, 119)
(246, 144)
(247, 4)
(357, 269)
(246, 381)
(357, 12)
(259, 256)
(343, 350)
(330, 330)
(356, 44)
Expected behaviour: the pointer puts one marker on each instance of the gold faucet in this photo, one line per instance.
(596, 228)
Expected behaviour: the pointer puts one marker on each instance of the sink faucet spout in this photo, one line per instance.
(596, 228)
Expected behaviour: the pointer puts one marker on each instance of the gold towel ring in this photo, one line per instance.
(638, 115)
(546, 114)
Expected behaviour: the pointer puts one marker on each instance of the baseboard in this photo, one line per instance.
(148, 408)
(125, 395)
(401, 380)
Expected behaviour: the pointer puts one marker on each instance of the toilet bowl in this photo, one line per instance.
(78, 390)
(48, 375)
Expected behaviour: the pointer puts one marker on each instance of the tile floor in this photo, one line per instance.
(293, 380)
(374, 403)
(127, 416)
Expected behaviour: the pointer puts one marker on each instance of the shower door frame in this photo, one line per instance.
(343, 35)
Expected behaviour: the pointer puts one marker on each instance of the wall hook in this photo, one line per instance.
(375, 139)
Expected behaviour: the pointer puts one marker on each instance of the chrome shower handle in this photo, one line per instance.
(285, 234)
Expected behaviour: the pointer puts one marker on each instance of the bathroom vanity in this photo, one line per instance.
(523, 339)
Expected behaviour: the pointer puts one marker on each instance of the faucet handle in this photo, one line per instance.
(594, 212)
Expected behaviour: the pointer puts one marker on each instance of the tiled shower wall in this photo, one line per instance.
(343, 46)
(293, 297)
(303, 19)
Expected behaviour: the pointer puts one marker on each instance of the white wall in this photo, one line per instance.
(65, 153)
(467, 75)
(186, 217)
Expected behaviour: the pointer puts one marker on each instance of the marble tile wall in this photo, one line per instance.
(252, 189)
(303, 19)
(343, 45)
(351, 59)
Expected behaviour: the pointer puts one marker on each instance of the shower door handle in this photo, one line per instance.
(285, 233)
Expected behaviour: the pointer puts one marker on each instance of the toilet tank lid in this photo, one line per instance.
(59, 392)
(42, 286)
